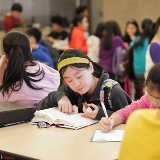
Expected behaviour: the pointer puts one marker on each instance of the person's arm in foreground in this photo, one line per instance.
(121, 115)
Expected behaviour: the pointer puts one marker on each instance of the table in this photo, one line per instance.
(62, 47)
(27, 141)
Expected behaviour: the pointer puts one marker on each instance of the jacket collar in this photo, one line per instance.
(96, 94)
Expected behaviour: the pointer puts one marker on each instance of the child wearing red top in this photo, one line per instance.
(13, 17)
(79, 34)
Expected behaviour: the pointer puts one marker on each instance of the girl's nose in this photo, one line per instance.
(76, 83)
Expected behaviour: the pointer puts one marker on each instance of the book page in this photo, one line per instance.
(75, 120)
(50, 115)
(53, 115)
(112, 135)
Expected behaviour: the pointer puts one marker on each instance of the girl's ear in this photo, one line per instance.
(91, 67)
(6, 56)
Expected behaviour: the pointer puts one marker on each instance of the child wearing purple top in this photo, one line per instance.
(109, 43)
(152, 54)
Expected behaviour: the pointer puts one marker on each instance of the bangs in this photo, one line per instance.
(76, 65)
(153, 87)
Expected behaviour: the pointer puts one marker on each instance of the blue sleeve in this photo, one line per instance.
(134, 41)
(155, 52)
(42, 54)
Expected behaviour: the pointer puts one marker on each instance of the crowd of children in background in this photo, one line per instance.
(85, 67)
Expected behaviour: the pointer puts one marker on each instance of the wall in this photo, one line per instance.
(39, 11)
(95, 14)
(122, 10)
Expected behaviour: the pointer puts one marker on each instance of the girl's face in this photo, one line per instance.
(84, 24)
(154, 97)
(131, 29)
(79, 79)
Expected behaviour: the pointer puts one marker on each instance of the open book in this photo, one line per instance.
(60, 119)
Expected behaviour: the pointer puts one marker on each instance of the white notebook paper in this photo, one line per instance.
(54, 116)
(115, 135)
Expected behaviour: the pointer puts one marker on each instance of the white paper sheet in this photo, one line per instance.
(110, 136)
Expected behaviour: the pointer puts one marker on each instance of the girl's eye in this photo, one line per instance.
(69, 81)
(80, 76)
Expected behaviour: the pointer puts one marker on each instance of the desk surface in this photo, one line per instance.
(56, 143)
(62, 47)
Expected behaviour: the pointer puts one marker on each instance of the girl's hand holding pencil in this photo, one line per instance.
(106, 124)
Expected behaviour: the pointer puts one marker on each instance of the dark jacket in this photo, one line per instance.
(119, 98)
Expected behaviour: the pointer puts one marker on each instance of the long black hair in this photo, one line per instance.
(154, 29)
(146, 24)
(16, 46)
(112, 29)
(98, 69)
(153, 78)
(99, 30)
(126, 37)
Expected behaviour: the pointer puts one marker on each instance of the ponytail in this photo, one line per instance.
(14, 70)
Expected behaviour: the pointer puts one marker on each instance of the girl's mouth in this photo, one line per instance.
(80, 89)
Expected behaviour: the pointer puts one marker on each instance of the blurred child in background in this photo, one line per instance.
(131, 32)
(78, 35)
(93, 42)
(39, 52)
(13, 17)
(109, 43)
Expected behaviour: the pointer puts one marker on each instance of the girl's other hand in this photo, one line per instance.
(3, 63)
(90, 114)
(65, 105)
(106, 124)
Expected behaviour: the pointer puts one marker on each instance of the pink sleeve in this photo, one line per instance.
(140, 104)
(14, 96)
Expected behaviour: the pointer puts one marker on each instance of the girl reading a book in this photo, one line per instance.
(23, 80)
(151, 100)
(84, 79)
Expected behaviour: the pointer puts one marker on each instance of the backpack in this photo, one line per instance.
(117, 61)
(108, 84)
